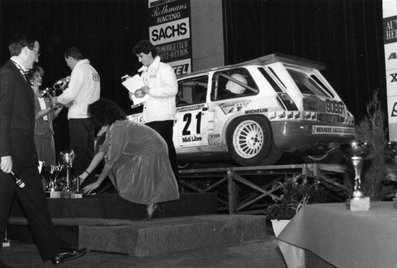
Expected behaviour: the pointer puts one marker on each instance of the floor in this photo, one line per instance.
(252, 254)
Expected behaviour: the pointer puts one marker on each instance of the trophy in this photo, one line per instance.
(357, 152)
(50, 174)
(66, 162)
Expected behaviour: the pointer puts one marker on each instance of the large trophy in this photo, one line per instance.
(72, 186)
(64, 184)
(357, 152)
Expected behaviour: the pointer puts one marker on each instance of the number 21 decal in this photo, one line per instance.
(188, 119)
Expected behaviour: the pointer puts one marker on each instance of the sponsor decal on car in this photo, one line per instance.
(332, 130)
(256, 111)
(335, 107)
(214, 139)
(233, 107)
(190, 108)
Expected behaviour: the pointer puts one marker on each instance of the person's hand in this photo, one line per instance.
(6, 164)
(82, 178)
(90, 187)
(53, 101)
(145, 89)
(139, 93)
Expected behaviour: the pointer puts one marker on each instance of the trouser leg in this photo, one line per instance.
(35, 207)
(81, 133)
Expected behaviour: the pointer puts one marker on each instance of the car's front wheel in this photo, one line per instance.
(250, 141)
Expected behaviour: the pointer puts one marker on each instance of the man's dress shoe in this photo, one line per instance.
(68, 255)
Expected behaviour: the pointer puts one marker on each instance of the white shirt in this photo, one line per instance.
(84, 89)
(163, 87)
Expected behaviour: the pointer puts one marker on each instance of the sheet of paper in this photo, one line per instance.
(133, 83)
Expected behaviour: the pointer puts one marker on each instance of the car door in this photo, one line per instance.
(193, 121)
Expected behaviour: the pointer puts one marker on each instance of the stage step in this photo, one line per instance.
(106, 209)
(160, 236)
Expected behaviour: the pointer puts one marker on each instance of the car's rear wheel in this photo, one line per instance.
(250, 141)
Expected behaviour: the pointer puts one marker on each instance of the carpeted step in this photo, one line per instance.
(159, 236)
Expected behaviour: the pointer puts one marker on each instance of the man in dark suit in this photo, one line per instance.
(17, 152)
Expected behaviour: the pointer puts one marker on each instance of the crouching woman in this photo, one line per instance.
(136, 159)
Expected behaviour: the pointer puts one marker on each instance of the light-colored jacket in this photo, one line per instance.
(84, 88)
(161, 80)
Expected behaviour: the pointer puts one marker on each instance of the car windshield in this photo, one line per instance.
(309, 84)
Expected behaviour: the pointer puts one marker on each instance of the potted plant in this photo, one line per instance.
(302, 189)
(296, 191)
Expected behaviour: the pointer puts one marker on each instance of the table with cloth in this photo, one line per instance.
(346, 238)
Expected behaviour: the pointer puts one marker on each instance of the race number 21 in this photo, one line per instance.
(188, 119)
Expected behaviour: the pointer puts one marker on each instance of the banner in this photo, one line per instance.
(390, 45)
(169, 31)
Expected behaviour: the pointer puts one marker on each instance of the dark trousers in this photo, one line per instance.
(81, 135)
(34, 204)
(165, 129)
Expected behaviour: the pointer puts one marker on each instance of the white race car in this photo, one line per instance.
(255, 111)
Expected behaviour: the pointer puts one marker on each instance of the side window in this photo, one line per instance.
(234, 83)
(192, 91)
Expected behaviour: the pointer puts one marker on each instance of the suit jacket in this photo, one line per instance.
(17, 117)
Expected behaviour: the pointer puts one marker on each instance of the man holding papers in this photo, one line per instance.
(159, 88)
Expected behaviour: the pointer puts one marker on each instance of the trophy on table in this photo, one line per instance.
(357, 152)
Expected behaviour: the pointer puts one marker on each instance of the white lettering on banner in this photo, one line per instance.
(332, 130)
(169, 32)
(161, 11)
(169, 17)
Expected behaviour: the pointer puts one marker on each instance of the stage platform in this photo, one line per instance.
(107, 210)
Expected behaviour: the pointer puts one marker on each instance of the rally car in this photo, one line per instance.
(255, 111)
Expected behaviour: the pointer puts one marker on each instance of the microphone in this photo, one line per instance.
(19, 182)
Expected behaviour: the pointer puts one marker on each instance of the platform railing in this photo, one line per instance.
(248, 190)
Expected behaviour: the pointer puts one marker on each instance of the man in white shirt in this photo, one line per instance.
(83, 89)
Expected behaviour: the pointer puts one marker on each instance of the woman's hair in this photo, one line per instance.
(36, 69)
(145, 47)
(105, 112)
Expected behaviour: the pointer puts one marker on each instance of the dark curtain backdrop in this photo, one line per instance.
(346, 35)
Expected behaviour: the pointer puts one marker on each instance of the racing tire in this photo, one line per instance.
(250, 141)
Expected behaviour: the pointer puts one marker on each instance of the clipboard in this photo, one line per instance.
(133, 83)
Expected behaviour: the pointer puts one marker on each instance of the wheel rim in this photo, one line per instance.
(248, 139)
